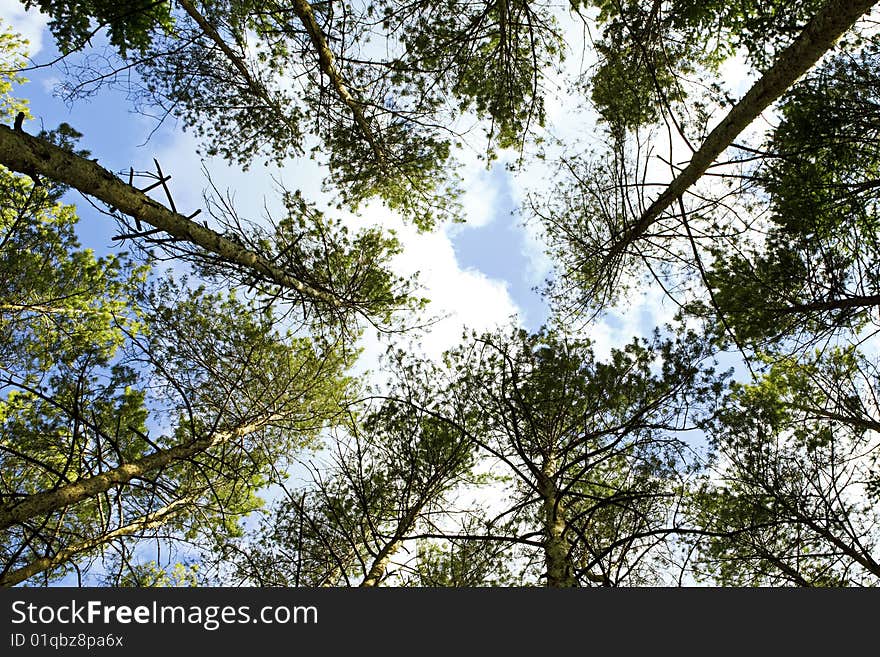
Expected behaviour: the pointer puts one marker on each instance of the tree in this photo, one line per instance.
(491, 56)
(815, 273)
(307, 260)
(389, 479)
(195, 63)
(130, 24)
(593, 466)
(462, 563)
(135, 406)
(524, 457)
(793, 498)
(595, 471)
(592, 446)
(132, 404)
(647, 49)
(599, 240)
(784, 250)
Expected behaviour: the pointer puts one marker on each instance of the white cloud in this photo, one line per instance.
(539, 264)
(479, 189)
(466, 297)
(622, 324)
(460, 298)
(737, 74)
(30, 24)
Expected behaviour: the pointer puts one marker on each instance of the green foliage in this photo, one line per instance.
(60, 301)
(625, 89)
(103, 362)
(592, 440)
(350, 267)
(410, 178)
(323, 251)
(490, 56)
(390, 475)
(152, 575)
(583, 216)
(13, 55)
(206, 92)
(461, 564)
(636, 80)
(65, 136)
(821, 242)
(787, 503)
(377, 119)
(647, 46)
(130, 24)
(101, 367)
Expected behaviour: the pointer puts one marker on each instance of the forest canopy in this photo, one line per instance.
(213, 396)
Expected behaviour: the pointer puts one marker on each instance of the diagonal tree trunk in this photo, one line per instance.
(255, 86)
(844, 303)
(29, 155)
(149, 521)
(818, 36)
(327, 62)
(39, 504)
(379, 566)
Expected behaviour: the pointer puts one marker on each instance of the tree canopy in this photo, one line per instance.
(723, 157)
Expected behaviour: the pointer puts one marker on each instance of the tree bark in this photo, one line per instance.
(844, 303)
(27, 154)
(148, 521)
(559, 570)
(326, 61)
(818, 36)
(53, 500)
(380, 564)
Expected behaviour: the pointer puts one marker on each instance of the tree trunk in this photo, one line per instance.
(148, 521)
(819, 35)
(844, 303)
(29, 155)
(559, 570)
(380, 565)
(327, 63)
(53, 500)
(254, 85)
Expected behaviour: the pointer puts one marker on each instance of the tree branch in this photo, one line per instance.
(53, 500)
(145, 522)
(326, 61)
(26, 154)
(818, 36)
